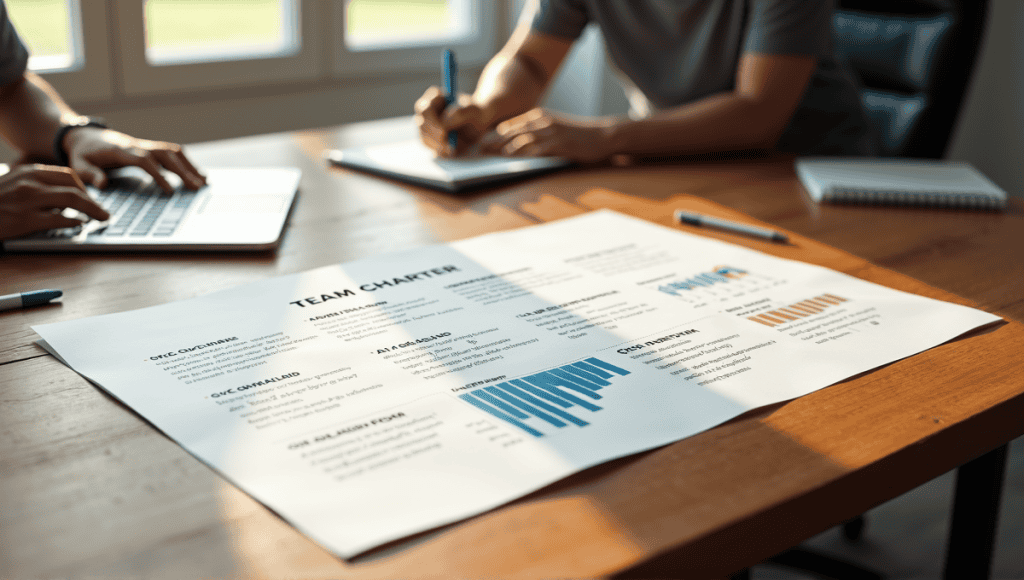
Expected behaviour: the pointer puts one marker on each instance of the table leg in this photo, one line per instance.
(972, 529)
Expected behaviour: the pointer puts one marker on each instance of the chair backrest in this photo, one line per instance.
(914, 59)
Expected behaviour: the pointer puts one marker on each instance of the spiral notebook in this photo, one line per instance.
(898, 182)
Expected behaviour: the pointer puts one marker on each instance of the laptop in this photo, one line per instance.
(239, 209)
(412, 162)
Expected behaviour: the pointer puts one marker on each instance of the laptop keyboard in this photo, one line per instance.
(136, 210)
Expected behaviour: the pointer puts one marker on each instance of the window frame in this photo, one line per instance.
(140, 77)
(113, 70)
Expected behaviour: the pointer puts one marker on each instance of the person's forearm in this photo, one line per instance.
(722, 122)
(509, 85)
(31, 111)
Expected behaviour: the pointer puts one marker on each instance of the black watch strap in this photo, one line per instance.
(58, 140)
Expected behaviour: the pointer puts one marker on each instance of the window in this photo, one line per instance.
(376, 24)
(164, 47)
(77, 64)
(371, 36)
(181, 31)
(51, 29)
(191, 45)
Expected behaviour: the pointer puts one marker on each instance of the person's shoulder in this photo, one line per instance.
(561, 18)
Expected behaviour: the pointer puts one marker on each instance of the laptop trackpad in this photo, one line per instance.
(248, 204)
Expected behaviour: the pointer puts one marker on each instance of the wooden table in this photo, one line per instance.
(88, 488)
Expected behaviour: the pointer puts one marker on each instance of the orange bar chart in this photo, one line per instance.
(796, 311)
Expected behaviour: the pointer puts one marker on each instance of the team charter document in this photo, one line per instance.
(371, 400)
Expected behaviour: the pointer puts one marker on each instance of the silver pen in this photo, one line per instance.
(697, 219)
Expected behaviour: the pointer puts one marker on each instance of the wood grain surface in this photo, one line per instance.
(89, 489)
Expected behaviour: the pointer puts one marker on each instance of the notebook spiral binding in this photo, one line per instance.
(922, 198)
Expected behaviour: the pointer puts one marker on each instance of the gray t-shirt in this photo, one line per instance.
(13, 54)
(678, 51)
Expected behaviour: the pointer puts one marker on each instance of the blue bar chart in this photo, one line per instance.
(718, 275)
(718, 284)
(542, 401)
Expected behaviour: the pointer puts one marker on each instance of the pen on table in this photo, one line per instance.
(27, 299)
(696, 219)
(448, 72)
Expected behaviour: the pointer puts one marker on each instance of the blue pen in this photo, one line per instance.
(449, 70)
(27, 299)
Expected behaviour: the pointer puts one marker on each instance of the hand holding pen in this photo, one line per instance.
(449, 122)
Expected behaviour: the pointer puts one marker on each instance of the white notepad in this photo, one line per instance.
(413, 162)
(898, 182)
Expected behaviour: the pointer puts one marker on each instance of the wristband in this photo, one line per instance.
(58, 140)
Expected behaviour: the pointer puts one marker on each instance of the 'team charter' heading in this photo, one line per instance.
(374, 286)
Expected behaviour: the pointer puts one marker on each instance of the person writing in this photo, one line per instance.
(701, 77)
(62, 150)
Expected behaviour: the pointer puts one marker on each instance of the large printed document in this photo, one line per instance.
(367, 401)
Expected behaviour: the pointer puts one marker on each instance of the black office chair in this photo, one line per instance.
(914, 59)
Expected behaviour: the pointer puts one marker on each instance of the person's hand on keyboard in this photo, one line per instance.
(93, 149)
(33, 196)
